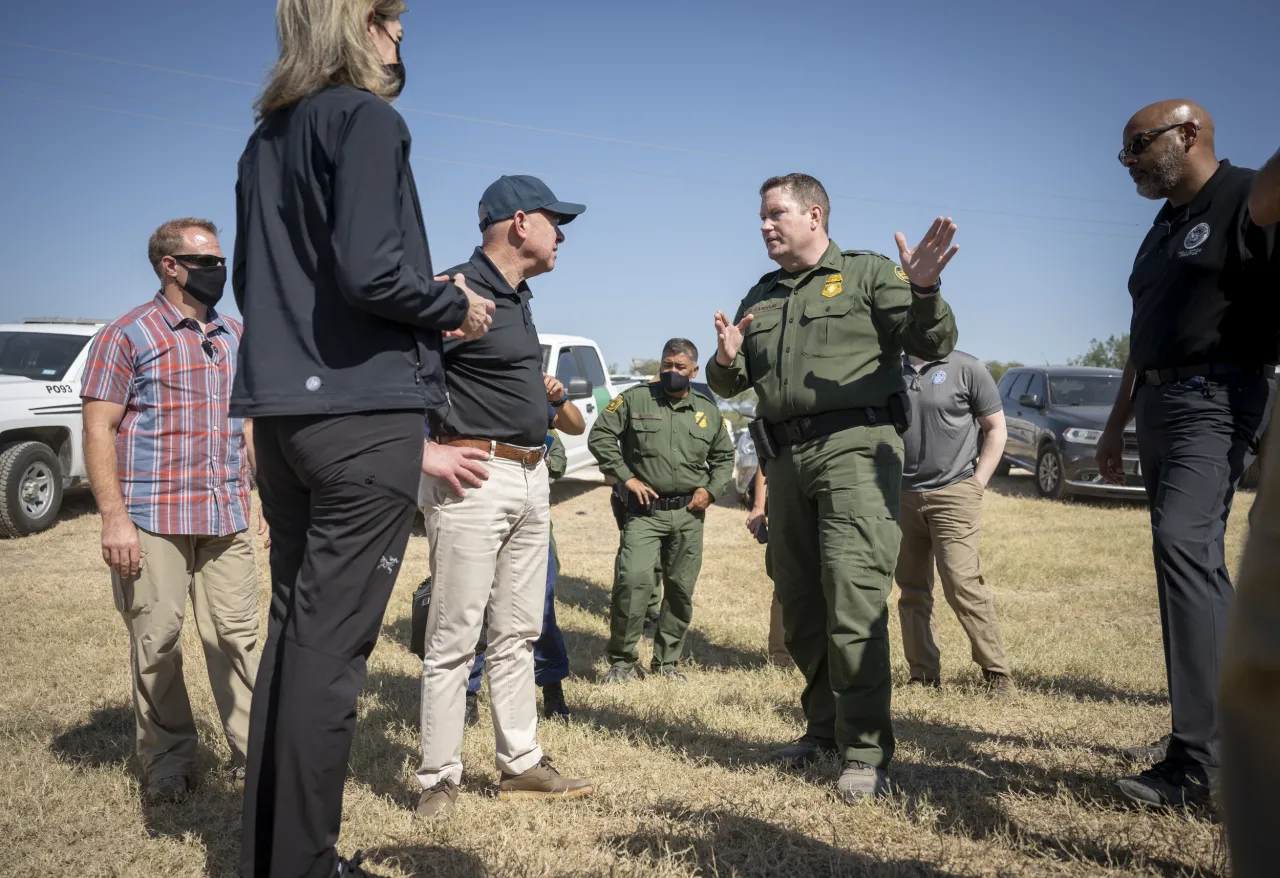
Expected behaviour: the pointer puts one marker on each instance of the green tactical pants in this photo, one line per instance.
(674, 540)
(833, 543)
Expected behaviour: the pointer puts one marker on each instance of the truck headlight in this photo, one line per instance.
(1082, 436)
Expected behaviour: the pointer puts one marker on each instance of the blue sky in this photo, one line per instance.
(663, 117)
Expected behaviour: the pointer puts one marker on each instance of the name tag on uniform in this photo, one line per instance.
(767, 305)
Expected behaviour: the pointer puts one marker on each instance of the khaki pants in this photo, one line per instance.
(219, 574)
(945, 524)
(488, 549)
(1250, 693)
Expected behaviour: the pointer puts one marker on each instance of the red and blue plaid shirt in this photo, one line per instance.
(182, 460)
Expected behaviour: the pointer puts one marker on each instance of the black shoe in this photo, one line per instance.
(650, 625)
(1165, 785)
(925, 682)
(471, 717)
(1153, 752)
(804, 751)
(553, 706)
(351, 868)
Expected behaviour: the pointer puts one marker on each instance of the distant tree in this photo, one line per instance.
(997, 368)
(613, 369)
(645, 367)
(1110, 354)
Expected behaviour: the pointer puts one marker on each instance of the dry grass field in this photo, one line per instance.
(1015, 788)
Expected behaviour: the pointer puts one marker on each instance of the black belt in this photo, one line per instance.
(800, 430)
(1157, 377)
(664, 503)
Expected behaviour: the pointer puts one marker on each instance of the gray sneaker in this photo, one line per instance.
(802, 752)
(167, 790)
(860, 781)
(623, 674)
(438, 800)
(1153, 752)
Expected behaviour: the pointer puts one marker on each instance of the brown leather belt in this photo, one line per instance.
(526, 456)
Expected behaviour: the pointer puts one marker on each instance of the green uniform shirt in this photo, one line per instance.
(832, 336)
(674, 446)
(557, 457)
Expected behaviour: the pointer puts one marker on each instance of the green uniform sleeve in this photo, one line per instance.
(557, 458)
(606, 433)
(923, 326)
(720, 461)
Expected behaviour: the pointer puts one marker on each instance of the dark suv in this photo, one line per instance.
(1055, 416)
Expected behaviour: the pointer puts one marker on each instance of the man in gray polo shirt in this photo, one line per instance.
(955, 410)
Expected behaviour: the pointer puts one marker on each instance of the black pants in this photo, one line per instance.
(1195, 439)
(338, 493)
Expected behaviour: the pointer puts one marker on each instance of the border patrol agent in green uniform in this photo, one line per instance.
(671, 455)
(821, 342)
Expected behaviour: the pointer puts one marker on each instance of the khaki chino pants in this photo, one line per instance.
(220, 576)
(488, 549)
(945, 524)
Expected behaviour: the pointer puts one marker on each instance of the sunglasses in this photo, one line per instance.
(200, 260)
(1142, 141)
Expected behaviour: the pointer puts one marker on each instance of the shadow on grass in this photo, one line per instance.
(720, 842)
(1084, 689)
(422, 860)
(211, 812)
(563, 490)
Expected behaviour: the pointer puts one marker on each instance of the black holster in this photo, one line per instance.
(762, 436)
(900, 411)
(618, 503)
(418, 619)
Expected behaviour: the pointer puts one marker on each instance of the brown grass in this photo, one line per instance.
(1017, 788)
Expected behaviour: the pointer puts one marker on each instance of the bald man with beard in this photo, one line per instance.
(1200, 382)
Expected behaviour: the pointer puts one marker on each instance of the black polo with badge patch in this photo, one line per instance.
(1206, 283)
(494, 384)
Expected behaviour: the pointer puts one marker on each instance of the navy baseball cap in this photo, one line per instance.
(507, 195)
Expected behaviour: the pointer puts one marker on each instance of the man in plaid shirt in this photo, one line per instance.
(168, 469)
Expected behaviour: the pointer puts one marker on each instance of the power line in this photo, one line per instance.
(45, 100)
(128, 63)
(122, 94)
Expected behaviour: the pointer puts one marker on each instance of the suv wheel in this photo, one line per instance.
(1051, 482)
(30, 488)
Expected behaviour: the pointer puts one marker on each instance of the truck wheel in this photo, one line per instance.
(30, 488)
(1002, 468)
(1051, 479)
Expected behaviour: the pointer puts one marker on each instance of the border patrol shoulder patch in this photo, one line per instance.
(901, 275)
(615, 405)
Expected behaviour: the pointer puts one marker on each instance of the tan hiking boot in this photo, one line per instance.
(438, 800)
(999, 686)
(542, 782)
(166, 790)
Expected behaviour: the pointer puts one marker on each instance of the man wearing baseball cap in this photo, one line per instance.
(489, 548)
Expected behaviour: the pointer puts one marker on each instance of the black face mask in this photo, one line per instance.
(396, 70)
(205, 284)
(674, 382)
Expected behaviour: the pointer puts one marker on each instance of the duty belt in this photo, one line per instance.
(664, 503)
(528, 456)
(803, 429)
(1157, 377)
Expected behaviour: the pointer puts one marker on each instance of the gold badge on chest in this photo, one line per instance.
(700, 418)
(833, 286)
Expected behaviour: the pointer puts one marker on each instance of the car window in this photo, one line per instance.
(1036, 388)
(567, 367)
(1084, 389)
(1006, 381)
(39, 355)
(589, 366)
(1019, 386)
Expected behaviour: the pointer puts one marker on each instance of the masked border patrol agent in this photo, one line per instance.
(668, 449)
(820, 341)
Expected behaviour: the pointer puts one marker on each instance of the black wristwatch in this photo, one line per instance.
(561, 401)
(927, 291)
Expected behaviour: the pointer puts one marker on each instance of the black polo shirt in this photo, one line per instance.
(495, 382)
(1206, 282)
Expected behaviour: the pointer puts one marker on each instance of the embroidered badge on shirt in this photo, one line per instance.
(700, 418)
(615, 405)
(1196, 237)
(833, 286)
(939, 377)
(901, 275)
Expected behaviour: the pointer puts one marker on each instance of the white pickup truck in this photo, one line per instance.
(41, 363)
(578, 364)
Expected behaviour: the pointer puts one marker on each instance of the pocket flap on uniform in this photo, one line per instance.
(646, 423)
(836, 307)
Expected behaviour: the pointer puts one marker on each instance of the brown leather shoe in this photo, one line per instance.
(438, 800)
(541, 782)
(999, 686)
